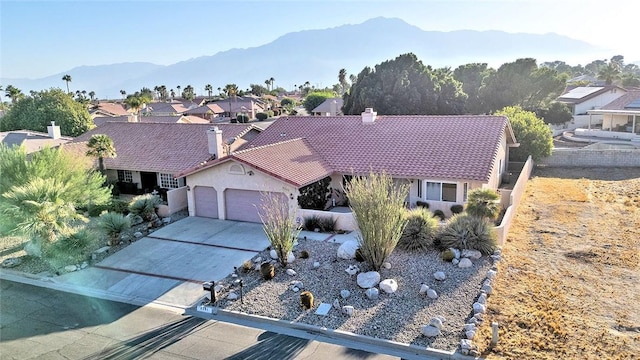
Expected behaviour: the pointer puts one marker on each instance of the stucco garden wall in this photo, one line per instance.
(593, 158)
(514, 200)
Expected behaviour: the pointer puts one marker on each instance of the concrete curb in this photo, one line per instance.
(53, 284)
(338, 337)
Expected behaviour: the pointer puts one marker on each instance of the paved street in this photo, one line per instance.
(46, 324)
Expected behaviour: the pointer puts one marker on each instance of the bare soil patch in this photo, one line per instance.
(568, 285)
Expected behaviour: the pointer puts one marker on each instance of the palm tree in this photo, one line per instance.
(231, 90)
(135, 103)
(179, 87)
(610, 73)
(67, 79)
(92, 95)
(208, 88)
(267, 82)
(13, 93)
(123, 93)
(271, 80)
(483, 203)
(342, 79)
(101, 146)
(173, 94)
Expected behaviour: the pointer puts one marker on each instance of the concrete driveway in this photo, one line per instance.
(169, 265)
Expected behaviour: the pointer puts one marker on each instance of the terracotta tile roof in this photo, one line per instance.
(156, 147)
(624, 100)
(114, 109)
(294, 161)
(191, 119)
(427, 147)
(164, 108)
(171, 119)
(214, 108)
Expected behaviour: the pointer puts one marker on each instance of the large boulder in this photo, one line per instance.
(368, 279)
(347, 250)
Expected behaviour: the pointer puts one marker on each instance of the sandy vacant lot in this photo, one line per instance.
(569, 284)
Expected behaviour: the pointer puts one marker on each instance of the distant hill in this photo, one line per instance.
(317, 56)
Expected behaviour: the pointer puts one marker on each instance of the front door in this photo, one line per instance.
(149, 181)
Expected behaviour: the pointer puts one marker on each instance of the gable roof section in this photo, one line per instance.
(411, 146)
(214, 108)
(622, 102)
(325, 107)
(581, 94)
(112, 109)
(32, 140)
(157, 147)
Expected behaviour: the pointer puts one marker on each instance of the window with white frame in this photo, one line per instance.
(167, 181)
(125, 176)
(441, 191)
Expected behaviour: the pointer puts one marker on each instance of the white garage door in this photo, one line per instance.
(243, 205)
(206, 199)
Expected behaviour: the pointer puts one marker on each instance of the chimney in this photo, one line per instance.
(334, 107)
(214, 137)
(53, 130)
(369, 116)
(132, 118)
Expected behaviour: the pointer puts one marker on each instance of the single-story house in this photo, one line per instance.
(167, 119)
(149, 154)
(206, 112)
(581, 99)
(33, 140)
(232, 107)
(329, 107)
(441, 158)
(622, 114)
(108, 109)
(164, 109)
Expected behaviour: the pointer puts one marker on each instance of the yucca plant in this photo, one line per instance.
(113, 224)
(145, 206)
(483, 203)
(420, 230)
(378, 208)
(464, 231)
(70, 248)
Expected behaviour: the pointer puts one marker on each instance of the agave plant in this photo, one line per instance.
(420, 230)
(465, 231)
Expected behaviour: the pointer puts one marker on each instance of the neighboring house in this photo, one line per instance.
(149, 154)
(330, 107)
(174, 119)
(34, 141)
(440, 157)
(621, 115)
(164, 109)
(581, 99)
(232, 107)
(108, 109)
(207, 112)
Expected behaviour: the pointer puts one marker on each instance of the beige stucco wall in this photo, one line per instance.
(220, 178)
(610, 121)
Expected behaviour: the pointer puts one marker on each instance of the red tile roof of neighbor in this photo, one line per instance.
(112, 108)
(622, 101)
(154, 147)
(404, 146)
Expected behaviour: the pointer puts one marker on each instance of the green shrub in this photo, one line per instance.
(70, 249)
(422, 204)
(287, 101)
(145, 206)
(456, 209)
(270, 113)
(483, 203)
(242, 118)
(420, 230)
(439, 214)
(311, 223)
(261, 116)
(327, 223)
(314, 196)
(464, 231)
(114, 223)
(119, 206)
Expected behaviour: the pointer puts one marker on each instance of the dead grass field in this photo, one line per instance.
(569, 284)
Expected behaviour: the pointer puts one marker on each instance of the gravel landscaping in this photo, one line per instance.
(398, 316)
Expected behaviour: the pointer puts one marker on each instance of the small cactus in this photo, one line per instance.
(306, 300)
(447, 255)
(268, 271)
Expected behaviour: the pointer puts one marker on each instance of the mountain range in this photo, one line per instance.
(317, 56)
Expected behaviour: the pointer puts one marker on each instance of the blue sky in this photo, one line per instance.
(41, 38)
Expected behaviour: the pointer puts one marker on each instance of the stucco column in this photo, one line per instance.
(222, 214)
(633, 127)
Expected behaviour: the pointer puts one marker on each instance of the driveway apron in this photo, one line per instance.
(169, 265)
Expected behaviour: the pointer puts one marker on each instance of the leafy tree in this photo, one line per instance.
(342, 80)
(378, 208)
(101, 146)
(39, 197)
(531, 132)
(287, 102)
(279, 224)
(631, 80)
(483, 203)
(472, 76)
(36, 112)
(314, 99)
(258, 90)
(13, 93)
(67, 79)
(405, 86)
(557, 113)
(521, 83)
